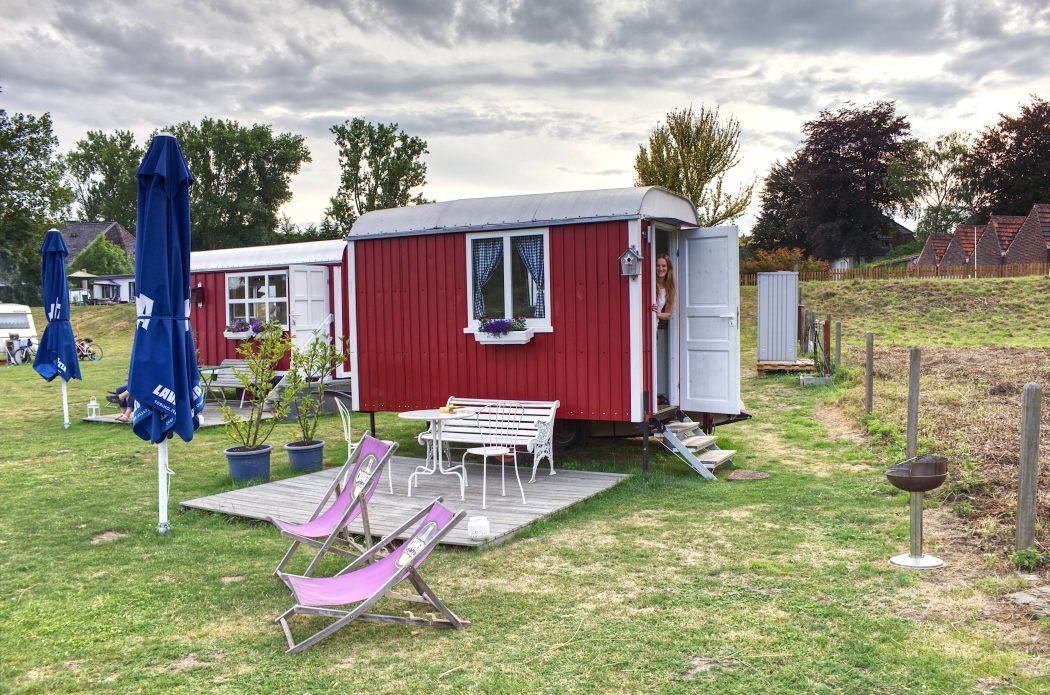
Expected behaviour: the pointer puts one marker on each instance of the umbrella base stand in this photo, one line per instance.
(923, 562)
(163, 528)
(915, 559)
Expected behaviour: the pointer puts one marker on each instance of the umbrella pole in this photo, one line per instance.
(162, 485)
(65, 406)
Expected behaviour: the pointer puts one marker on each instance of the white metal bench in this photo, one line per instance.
(534, 430)
(226, 378)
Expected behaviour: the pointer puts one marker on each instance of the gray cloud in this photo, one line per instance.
(446, 22)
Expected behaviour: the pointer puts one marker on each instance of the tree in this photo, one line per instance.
(1009, 167)
(777, 225)
(102, 172)
(929, 180)
(32, 198)
(290, 233)
(242, 177)
(691, 154)
(380, 168)
(784, 258)
(103, 257)
(842, 175)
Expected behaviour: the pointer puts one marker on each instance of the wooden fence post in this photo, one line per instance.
(838, 343)
(827, 346)
(1028, 475)
(869, 369)
(911, 448)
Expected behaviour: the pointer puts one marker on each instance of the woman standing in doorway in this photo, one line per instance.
(663, 308)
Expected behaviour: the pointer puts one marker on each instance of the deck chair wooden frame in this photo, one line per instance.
(410, 573)
(336, 537)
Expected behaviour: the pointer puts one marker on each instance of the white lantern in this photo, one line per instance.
(478, 528)
(92, 408)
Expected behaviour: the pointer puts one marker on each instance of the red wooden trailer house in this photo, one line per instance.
(299, 285)
(422, 276)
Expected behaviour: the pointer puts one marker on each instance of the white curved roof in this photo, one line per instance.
(274, 256)
(515, 211)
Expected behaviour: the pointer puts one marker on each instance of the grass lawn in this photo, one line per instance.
(663, 584)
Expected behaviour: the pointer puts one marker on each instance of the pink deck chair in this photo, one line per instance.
(365, 584)
(353, 487)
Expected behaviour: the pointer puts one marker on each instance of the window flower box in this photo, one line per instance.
(508, 338)
(237, 335)
(242, 329)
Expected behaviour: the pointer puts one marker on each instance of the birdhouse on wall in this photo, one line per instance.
(631, 262)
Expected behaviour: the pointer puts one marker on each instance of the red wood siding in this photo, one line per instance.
(412, 309)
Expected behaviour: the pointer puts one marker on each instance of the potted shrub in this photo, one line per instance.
(306, 377)
(250, 459)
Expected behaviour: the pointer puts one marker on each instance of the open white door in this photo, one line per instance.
(308, 305)
(709, 311)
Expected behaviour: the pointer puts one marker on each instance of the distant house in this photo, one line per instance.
(933, 250)
(968, 239)
(1031, 244)
(113, 288)
(79, 235)
(893, 235)
(1004, 239)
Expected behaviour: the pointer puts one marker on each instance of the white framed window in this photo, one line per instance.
(508, 276)
(257, 297)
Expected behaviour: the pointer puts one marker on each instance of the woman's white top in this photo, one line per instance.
(661, 299)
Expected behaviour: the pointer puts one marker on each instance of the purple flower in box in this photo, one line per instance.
(502, 326)
(496, 326)
(238, 326)
(256, 326)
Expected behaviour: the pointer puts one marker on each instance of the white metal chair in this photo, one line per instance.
(497, 424)
(348, 435)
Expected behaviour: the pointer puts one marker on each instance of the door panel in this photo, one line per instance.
(710, 310)
(308, 301)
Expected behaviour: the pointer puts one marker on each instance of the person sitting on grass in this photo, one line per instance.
(127, 404)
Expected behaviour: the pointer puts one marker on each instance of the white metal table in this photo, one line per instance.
(437, 418)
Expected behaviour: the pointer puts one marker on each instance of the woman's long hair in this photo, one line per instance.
(668, 282)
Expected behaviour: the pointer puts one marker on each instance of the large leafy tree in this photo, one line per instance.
(32, 197)
(929, 180)
(691, 154)
(842, 177)
(1009, 166)
(778, 225)
(380, 169)
(242, 177)
(101, 170)
(103, 257)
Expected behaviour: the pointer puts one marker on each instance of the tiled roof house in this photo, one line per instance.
(1031, 243)
(933, 250)
(961, 248)
(79, 235)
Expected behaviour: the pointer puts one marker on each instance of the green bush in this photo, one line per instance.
(1027, 559)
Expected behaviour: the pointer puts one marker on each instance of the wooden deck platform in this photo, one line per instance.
(295, 498)
(211, 417)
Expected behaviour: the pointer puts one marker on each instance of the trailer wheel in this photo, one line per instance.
(569, 433)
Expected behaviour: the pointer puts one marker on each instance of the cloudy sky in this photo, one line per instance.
(517, 96)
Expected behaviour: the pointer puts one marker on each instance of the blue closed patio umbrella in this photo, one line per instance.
(163, 378)
(57, 353)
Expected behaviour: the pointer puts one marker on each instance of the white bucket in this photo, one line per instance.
(478, 528)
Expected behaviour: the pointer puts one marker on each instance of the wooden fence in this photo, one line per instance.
(958, 272)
